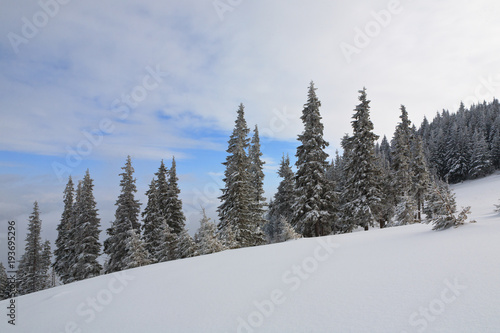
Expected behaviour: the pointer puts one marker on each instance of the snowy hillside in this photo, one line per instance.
(404, 279)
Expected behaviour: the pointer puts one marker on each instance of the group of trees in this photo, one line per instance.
(463, 145)
(371, 183)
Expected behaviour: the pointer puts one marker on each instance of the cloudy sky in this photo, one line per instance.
(84, 84)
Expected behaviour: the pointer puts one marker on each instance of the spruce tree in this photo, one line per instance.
(186, 247)
(312, 209)
(168, 246)
(401, 163)
(162, 192)
(64, 252)
(283, 199)
(206, 237)
(46, 260)
(236, 211)
(137, 255)
(126, 219)
(257, 178)
(362, 193)
(174, 215)
(35, 262)
(443, 208)
(421, 176)
(285, 231)
(86, 235)
(152, 222)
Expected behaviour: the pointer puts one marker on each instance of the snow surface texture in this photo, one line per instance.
(402, 279)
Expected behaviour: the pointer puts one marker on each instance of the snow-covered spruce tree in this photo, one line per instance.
(186, 247)
(137, 255)
(421, 175)
(257, 179)
(152, 222)
(480, 162)
(206, 237)
(443, 208)
(64, 252)
(389, 195)
(401, 163)
(236, 210)
(86, 235)
(283, 200)
(4, 283)
(312, 211)
(35, 262)
(162, 192)
(126, 219)
(385, 150)
(362, 193)
(46, 264)
(174, 215)
(285, 231)
(168, 245)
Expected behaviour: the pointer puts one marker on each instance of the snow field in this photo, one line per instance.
(403, 279)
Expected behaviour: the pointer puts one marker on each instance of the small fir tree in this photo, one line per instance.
(444, 208)
(283, 199)
(206, 237)
(137, 255)
(186, 247)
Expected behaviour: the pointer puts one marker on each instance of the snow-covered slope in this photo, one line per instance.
(404, 279)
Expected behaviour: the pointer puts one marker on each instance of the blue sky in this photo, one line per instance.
(155, 79)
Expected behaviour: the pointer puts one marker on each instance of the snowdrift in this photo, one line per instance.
(403, 279)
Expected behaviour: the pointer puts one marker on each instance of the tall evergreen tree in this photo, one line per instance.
(162, 192)
(283, 199)
(257, 178)
(64, 252)
(86, 236)
(35, 262)
(235, 212)
(126, 219)
(421, 176)
(401, 163)
(362, 193)
(174, 215)
(152, 222)
(312, 210)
